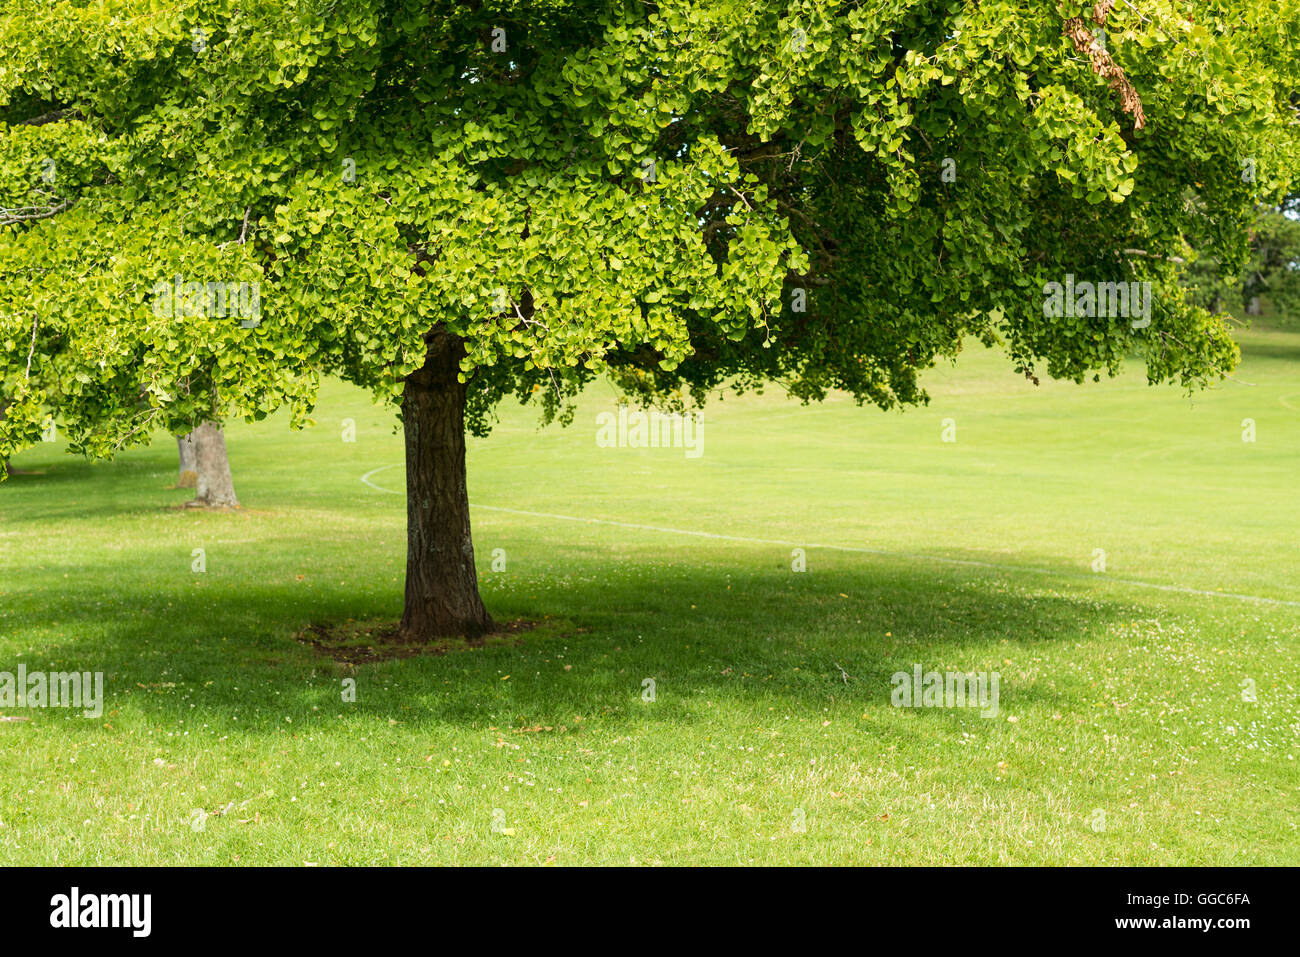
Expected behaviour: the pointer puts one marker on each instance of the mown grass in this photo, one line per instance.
(771, 738)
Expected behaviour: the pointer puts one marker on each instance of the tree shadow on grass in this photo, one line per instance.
(72, 489)
(749, 636)
(1282, 345)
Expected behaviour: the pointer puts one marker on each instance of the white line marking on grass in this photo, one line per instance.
(365, 480)
(856, 549)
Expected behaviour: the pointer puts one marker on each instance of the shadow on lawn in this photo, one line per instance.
(1279, 344)
(228, 657)
(72, 488)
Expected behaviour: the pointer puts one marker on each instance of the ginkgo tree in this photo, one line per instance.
(450, 203)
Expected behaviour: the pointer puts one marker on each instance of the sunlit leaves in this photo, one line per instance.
(625, 187)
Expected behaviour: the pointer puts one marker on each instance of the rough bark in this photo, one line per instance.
(214, 487)
(442, 595)
(187, 475)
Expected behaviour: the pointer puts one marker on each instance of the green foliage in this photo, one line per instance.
(1274, 273)
(1270, 277)
(575, 187)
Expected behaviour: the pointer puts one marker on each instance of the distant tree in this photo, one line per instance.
(204, 466)
(1273, 275)
(1269, 277)
(187, 475)
(454, 202)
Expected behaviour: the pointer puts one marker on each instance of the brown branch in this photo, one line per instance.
(26, 214)
(51, 117)
(1086, 42)
(1144, 253)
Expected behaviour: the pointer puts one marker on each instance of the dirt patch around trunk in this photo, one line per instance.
(367, 642)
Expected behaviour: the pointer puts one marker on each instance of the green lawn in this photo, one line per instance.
(772, 706)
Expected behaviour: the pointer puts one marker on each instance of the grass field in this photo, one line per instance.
(771, 737)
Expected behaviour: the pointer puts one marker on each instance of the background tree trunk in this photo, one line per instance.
(441, 583)
(187, 475)
(4, 463)
(214, 488)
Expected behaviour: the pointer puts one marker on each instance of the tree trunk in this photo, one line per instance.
(4, 463)
(188, 474)
(441, 583)
(214, 488)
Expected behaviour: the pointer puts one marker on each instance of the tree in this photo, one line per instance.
(4, 459)
(205, 467)
(1274, 271)
(213, 485)
(455, 202)
(1270, 274)
(187, 475)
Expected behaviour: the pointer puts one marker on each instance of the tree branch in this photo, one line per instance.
(26, 214)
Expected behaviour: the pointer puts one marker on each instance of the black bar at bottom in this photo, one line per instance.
(335, 907)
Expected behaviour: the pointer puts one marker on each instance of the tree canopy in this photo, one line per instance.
(829, 195)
